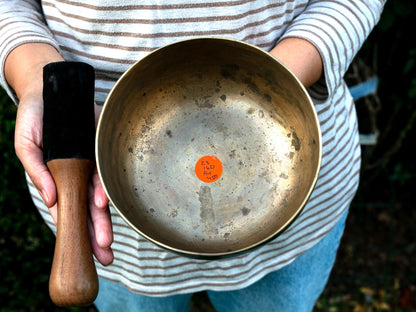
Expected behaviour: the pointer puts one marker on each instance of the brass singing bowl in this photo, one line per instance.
(220, 98)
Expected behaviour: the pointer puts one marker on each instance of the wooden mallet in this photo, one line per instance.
(68, 150)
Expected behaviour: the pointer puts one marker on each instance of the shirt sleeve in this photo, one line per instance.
(21, 21)
(337, 28)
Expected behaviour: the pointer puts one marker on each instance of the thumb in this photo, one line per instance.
(28, 141)
(32, 161)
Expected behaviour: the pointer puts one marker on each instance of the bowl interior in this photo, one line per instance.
(224, 109)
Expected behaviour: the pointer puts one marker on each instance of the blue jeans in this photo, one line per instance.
(295, 287)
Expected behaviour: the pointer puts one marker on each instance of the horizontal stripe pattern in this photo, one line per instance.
(112, 35)
(142, 28)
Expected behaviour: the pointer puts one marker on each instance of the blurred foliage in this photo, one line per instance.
(375, 268)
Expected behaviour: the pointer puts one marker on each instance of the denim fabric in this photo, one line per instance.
(114, 297)
(295, 287)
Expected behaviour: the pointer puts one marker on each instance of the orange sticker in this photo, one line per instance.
(208, 169)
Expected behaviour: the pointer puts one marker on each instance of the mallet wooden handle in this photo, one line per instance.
(73, 280)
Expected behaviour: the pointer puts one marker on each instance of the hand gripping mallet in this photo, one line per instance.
(68, 151)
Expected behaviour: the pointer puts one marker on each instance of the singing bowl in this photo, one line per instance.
(208, 147)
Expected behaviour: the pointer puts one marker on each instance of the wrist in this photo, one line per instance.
(301, 57)
(24, 67)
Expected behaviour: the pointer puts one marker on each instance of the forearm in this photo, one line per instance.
(337, 29)
(23, 67)
(301, 57)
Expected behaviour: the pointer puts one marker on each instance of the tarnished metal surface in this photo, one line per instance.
(208, 97)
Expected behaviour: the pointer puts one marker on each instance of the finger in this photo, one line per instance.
(54, 212)
(97, 112)
(101, 221)
(104, 255)
(101, 230)
(100, 198)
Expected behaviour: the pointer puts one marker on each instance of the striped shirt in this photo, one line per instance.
(112, 34)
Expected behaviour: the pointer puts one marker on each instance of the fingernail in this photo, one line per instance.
(98, 202)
